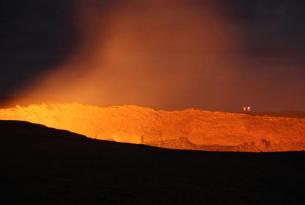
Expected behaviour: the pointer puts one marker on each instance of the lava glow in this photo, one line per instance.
(187, 129)
(157, 53)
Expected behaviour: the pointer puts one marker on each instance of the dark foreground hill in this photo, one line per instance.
(47, 166)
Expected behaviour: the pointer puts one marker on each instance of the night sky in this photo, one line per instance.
(216, 55)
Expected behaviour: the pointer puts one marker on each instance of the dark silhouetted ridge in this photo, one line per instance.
(40, 165)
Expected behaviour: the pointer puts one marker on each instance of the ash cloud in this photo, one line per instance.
(153, 53)
(171, 55)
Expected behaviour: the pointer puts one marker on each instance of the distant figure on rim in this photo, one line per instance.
(247, 109)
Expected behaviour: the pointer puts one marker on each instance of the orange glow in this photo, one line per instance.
(152, 53)
(187, 129)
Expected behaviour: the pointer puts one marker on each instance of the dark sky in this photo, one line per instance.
(268, 61)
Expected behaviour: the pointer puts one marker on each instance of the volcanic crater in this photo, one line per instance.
(189, 129)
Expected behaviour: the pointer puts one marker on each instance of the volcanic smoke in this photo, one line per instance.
(156, 53)
(163, 54)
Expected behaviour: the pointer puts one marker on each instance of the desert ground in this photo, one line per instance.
(189, 129)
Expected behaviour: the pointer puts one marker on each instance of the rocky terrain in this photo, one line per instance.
(189, 129)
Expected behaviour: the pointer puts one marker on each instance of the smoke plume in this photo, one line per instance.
(158, 53)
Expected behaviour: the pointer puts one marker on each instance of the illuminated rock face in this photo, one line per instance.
(187, 129)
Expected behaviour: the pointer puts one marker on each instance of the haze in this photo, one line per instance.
(170, 55)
